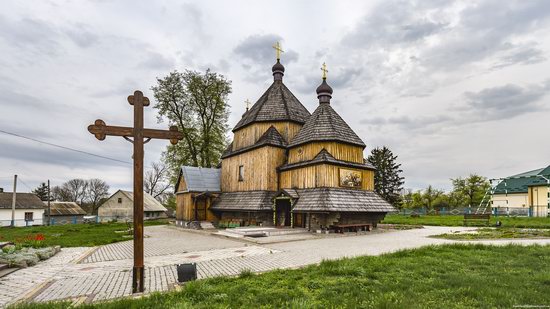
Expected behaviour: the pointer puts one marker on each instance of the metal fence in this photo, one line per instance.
(500, 211)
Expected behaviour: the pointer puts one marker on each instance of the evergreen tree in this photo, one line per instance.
(387, 179)
(41, 191)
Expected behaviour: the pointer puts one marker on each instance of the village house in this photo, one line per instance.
(29, 209)
(120, 206)
(64, 213)
(287, 168)
(524, 194)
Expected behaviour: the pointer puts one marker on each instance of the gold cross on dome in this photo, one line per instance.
(325, 71)
(278, 50)
(247, 104)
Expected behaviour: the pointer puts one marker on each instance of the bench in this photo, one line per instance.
(482, 218)
(340, 228)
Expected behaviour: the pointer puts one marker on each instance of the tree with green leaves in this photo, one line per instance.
(41, 191)
(387, 177)
(198, 104)
(471, 189)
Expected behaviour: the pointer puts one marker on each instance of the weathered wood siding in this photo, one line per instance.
(249, 135)
(339, 151)
(260, 170)
(322, 175)
(185, 209)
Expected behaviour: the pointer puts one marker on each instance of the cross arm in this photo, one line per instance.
(100, 130)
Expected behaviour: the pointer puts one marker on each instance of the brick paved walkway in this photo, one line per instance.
(59, 278)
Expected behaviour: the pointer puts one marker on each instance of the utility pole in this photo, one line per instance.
(13, 201)
(49, 220)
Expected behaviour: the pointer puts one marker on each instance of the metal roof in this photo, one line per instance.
(201, 179)
(64, 209)
(519, 183)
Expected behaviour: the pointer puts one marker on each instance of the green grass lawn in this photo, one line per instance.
(450, 276)
(71, 235)
(520, 222)
(498, 233)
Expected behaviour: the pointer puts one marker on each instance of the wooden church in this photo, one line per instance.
(287, 168)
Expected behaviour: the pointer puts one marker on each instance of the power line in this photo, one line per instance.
(63, 147)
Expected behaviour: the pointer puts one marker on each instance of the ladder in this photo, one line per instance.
(486, 200)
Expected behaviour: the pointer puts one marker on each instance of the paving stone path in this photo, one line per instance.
(106, 273)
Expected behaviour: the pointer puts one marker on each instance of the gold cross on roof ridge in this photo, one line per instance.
(278, 50)
(325, 71)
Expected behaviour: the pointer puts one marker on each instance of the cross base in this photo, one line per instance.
(138, 280)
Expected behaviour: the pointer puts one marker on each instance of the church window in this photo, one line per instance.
(120, 200)
(241, 172)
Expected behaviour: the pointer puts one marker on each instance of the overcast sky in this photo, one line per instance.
(451, 87)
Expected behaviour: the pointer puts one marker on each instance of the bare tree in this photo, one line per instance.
(73, 190)
(156, 181)
(96, 190)
(60, 193)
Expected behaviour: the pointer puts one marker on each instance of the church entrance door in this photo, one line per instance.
(200, 209)
(282, 212)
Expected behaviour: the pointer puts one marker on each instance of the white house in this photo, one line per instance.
(120, 206)
(29, 209)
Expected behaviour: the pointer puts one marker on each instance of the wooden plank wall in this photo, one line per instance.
(339, 151)
(322, 175)
(260, 170)
(249, 135)
(185, 209)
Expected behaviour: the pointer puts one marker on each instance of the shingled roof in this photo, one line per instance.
(325, 124)
(325, 157)
(22, 201)
(244, 201)
(271, 137)
(276, 104)
(519, 183)
(340, 200)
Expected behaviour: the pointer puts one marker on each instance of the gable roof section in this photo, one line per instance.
(325, 157)
(65, 209)
(271, 137)
(276, 104)
(200, 179)
(326, 125)
(519, 183)
(22, 201)
(149, 202)
(340, 200)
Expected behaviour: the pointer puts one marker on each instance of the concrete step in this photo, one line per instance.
(3, 266)
(205, 225)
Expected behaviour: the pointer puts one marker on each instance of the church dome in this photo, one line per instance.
(324, 89)
(278, 67)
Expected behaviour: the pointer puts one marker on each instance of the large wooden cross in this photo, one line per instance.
(136, 135)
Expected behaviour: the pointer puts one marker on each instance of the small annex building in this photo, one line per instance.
(120, 206)
(64, 213)
(287, 167)
(196, 188)
(29, 209)
(527, 193)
